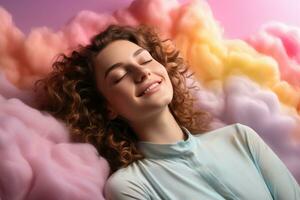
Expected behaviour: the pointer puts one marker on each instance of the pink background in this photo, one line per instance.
(239, 18)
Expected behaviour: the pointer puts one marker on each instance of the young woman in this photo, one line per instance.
(126, 93)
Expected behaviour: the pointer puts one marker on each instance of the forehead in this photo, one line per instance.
(117, 51)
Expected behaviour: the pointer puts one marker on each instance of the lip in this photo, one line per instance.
(145, 86)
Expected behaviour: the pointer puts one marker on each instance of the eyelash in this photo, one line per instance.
(117, 81)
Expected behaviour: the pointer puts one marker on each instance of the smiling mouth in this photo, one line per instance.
(150, 88)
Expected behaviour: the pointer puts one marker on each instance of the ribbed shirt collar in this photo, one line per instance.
(179, 148)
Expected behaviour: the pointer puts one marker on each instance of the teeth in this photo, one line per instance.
(151, 86)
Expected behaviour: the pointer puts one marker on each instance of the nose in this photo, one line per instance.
(141, 73)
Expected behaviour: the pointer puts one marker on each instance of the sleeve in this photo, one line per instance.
(120, 188)
(278, 178)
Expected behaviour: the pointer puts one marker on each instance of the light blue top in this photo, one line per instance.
(232, 162)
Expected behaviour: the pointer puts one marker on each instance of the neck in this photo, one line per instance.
(161, 128)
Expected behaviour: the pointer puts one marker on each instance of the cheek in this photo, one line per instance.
(167, 77)
(121, 98)
(125, 107)
(163, 70)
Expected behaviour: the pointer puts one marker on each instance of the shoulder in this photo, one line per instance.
(234, 128)
(232, 140)
(124, 183)
(248, 134)
(237, 131)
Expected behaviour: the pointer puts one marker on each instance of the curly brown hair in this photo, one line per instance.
(71, 94)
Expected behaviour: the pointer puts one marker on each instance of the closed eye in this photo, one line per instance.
(147, 62)
(118, 80)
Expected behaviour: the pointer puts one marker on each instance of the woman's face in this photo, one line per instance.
(135, 85)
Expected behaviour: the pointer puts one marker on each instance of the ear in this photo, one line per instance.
(112, 114)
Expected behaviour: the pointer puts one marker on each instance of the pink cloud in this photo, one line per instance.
(39, 162)
(282, 42)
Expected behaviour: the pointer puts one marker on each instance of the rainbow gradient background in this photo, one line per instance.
(246, 55)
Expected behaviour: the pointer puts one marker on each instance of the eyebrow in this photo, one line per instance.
(137, 52)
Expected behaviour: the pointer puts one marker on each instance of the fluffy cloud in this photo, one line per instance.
(282, 42)
(39, 162)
